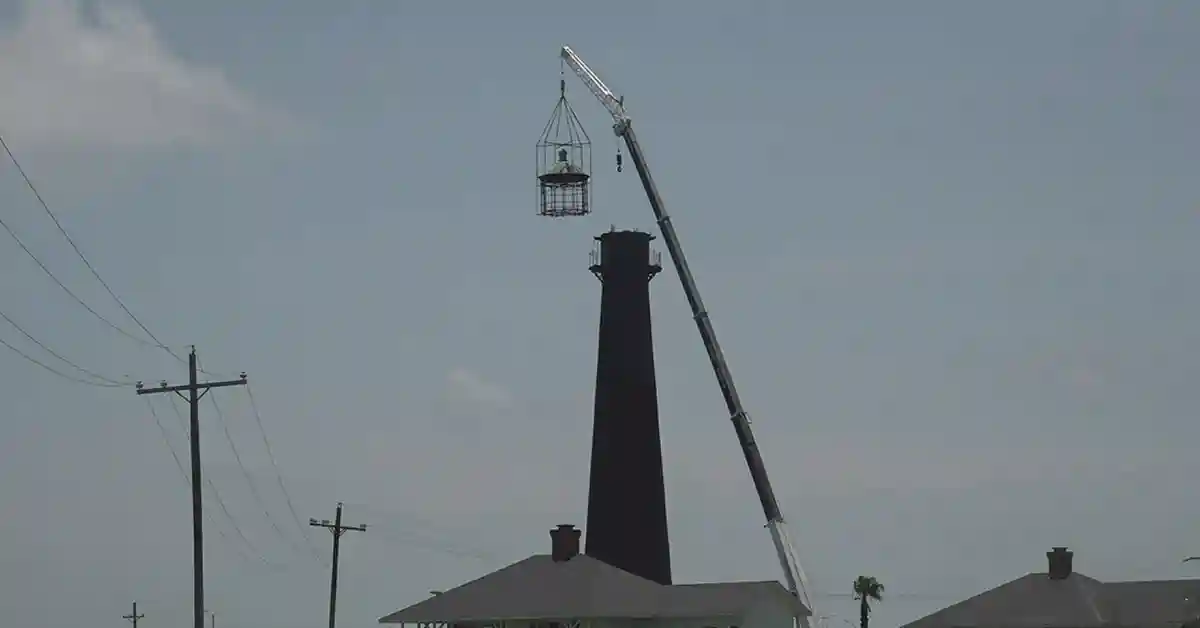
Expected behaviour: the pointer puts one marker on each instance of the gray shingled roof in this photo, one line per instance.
(1036, 601)
(724, 598)
(1153, 603)
(583, 587)
(1032, 601)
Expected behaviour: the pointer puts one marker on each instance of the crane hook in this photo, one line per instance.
(618, 161)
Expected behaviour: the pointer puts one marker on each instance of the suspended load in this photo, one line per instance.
(564, 163)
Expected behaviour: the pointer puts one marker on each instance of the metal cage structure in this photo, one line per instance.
(564, 163)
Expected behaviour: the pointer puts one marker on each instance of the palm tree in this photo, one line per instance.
(866, 590)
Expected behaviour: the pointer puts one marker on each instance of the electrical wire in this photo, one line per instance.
(423, 543)
(188, 481)
(221, 502)
(154, 342)
(304, 530)
(46, 207)
(102, 379)
(47, 367)
(279, 476)
(70, 293)
(246, 474)
(200, 369)
(403, 534)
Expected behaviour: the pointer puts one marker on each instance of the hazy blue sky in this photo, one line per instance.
(946, 245)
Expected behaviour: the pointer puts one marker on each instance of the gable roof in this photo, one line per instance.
(1031, 601)
(1037, 601)
(725, 598)
(1153, 602)
(583, 587)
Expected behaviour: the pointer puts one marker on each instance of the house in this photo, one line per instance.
(565, 589)
(1062, 598)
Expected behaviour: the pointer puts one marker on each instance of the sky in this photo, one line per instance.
(946, 246)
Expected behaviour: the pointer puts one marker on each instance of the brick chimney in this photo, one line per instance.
(1059, 560)
(564, 543)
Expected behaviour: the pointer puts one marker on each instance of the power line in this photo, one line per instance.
(403, 534)
(46, 207)
(278, 475)
(51, 369)
(216, 495)
(246, 473)
(71, 293)
(195, 391)
(167, 439)
(154, 342)
(188, 481)
(47, 349)
(416, 541)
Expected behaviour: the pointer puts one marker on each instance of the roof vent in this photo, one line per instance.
(1059, 560)
(564, 543)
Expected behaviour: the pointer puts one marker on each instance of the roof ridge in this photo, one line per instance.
(1083, 588)
(583, 586)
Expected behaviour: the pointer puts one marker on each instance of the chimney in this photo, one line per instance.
(564, 543)
(1059, 559)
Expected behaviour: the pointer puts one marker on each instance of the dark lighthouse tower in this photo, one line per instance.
(627, 509)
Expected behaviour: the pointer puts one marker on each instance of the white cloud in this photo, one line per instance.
(111, 82)
(475, 389)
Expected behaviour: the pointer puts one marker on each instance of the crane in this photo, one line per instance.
(623, 128)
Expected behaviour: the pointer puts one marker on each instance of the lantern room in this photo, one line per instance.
(564, 163)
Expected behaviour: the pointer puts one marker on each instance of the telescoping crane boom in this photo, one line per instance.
(796, 581)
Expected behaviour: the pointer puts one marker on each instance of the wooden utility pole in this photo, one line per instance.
(133, 616)
(195, 392)
(338, 530)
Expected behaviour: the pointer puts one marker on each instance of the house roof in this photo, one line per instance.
(1077, 601)
(538, 587)
(1031, 601)
(1153, 602)
(724, 598)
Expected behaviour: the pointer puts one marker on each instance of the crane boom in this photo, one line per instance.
(622, 127)
(615, 105)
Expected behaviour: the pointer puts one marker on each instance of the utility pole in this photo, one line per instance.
(195, 392)
(133, 616)
(338, 530)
